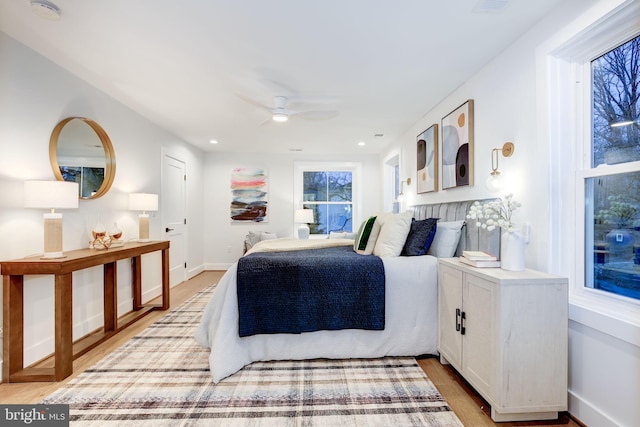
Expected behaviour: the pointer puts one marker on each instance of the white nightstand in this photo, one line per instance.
(506, 333)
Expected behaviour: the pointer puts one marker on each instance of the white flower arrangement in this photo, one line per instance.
(494, 214)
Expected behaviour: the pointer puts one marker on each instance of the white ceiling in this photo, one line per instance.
(190, 65)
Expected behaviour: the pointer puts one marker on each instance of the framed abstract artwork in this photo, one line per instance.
(457, 147)
(427, 160)
(249, 195)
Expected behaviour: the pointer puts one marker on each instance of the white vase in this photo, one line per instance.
(512, 251)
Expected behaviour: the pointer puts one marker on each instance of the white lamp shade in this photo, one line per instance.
(51, 194)
(304, 216)
(143, 202)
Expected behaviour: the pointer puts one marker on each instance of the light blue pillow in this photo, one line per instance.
(446, 239)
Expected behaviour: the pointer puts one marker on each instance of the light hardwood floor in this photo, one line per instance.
(468, 405)
(35, 392)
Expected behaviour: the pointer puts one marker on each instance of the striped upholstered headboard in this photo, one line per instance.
(473, 238)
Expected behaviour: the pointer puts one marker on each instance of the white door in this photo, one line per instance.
(174, 216)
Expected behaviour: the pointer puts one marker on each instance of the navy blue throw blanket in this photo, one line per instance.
(310, 290)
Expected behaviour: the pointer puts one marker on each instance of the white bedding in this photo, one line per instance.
(410, 325)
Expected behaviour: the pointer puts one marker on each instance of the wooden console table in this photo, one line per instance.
(62, 268)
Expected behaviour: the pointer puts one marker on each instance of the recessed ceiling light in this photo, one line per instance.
(362, 143)
(213, 141)
(45, 9)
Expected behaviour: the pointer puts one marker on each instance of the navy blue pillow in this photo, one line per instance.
(420, 237)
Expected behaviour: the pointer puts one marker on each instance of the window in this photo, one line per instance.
(329, 194)
(330, 191)
(392, 184)
(89, 179)
(612, 182)
(396, 189)
(585, 187)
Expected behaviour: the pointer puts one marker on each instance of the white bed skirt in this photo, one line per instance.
(411, 324)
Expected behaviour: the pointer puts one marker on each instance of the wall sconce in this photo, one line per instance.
(401, 193)
(495, 181)
(51, 195)
(143, 202)
(303, 217)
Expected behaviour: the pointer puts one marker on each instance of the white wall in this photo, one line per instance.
(511, 104)
(35, 94)
(224, 240)
(504, 94)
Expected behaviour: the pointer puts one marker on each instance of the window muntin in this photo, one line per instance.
(330, 195)
(612, 187)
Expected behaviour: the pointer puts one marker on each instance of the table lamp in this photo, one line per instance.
(304, 217)
(51, 195)
(143, 202)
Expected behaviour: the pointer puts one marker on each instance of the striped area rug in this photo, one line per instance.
(161, 378)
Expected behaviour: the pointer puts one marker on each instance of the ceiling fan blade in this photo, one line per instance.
(254, 103)
(275, 86)
(318, 115)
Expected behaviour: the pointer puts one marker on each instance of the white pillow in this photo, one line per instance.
(393, 233)
(252, 238)
(265, 235)
(446, 239)
(371, 239)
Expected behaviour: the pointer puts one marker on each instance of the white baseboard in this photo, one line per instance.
(46, 347)
(156, 291)
(217, 266)
(191, 273)
(587, 413)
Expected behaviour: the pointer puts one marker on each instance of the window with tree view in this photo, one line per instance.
(612, 191)
(329, 195)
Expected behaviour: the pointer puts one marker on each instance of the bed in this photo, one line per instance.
(410, 303)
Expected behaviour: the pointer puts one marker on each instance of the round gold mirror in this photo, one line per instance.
(81, 151)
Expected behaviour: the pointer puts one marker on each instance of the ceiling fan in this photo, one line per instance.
(280, 113)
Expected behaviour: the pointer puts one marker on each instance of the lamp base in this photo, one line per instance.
(303, 231)
(53, 255)
(143, 228)
(52, 236)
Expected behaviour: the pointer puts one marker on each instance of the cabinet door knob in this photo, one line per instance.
(462, 327)
(168, 229)
(457, 320)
